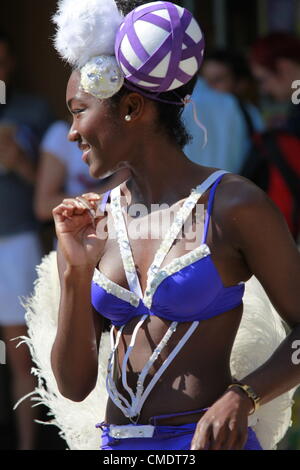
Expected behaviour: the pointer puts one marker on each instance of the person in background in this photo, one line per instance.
(227, 133)
(23, 119)
(62, 173)
(274, 163)
(228, 72)
(275, 63)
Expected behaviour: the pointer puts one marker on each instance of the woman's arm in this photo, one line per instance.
(74, 355)
(260, 232)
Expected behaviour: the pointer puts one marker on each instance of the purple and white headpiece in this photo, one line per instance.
(157, 47)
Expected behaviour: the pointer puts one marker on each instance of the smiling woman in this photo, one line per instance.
(108, 119)
(175, 312)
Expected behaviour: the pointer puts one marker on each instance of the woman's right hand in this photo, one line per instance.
(76, 221)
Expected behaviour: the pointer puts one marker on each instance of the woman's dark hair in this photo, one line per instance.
(126, 6)
(169, 115)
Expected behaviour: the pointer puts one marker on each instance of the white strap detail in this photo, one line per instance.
(140, 383)
(123, 240)
(201, 188)
(110, 386)
(126, 357)
(138, 400)
(177, 224)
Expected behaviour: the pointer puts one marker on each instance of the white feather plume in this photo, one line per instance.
(85, 29)
(260, 332)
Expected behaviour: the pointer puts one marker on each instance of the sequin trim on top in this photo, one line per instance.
(113, 288)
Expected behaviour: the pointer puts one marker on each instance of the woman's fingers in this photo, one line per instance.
(67, 209)
(95, 200)
(232, 441)
(202, 437)
(78, 206)
(74, 201)
(60, 213)
(92, 196)
(91, 199)
(89, 205)
(210, 436)
(219, 436)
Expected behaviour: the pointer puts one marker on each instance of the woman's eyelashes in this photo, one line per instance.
(77, 111)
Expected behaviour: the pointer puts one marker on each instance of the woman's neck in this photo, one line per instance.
(161, 173)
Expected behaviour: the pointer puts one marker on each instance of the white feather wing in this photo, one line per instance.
(76, 420)
(260, 332)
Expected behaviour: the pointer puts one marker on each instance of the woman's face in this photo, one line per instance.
(96, 130)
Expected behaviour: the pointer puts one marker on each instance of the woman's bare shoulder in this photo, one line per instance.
(243, 209)
(236, 193)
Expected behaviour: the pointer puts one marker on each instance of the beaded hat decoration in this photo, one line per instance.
(85, 39)
(157, 47)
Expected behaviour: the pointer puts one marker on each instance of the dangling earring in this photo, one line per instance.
(128, 118)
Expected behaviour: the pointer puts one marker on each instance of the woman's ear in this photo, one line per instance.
(133, 105)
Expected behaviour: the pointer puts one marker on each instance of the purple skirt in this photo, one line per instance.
(177, 437)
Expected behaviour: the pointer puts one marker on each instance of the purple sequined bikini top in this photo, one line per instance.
(189, 288)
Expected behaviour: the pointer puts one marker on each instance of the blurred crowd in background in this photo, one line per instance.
(244, 98)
